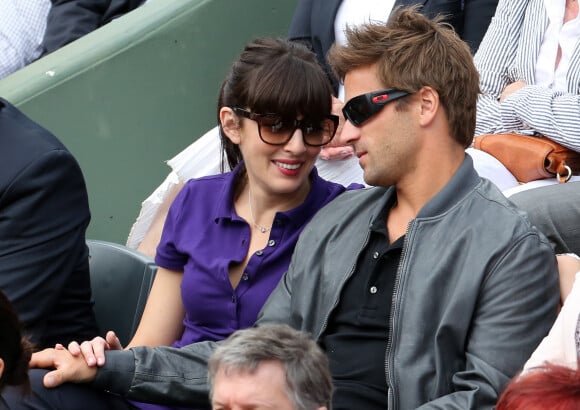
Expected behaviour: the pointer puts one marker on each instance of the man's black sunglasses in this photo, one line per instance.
(362, 107)
(275, 130)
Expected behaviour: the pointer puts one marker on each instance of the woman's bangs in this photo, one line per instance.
(292, 87)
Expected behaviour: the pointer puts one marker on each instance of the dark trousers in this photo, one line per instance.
(65, 397)
(555, 210)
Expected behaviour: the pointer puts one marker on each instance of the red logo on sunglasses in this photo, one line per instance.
(380, 98)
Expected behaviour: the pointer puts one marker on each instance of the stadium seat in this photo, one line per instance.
(121, 279)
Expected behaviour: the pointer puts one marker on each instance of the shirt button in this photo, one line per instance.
(376, 255)
(271, 242)
(373, 289)
(245, 276)
(233, 299)
(260, 252)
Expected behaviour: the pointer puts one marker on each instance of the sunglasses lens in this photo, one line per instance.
(274, 130)
(359, 109)
(318, 133)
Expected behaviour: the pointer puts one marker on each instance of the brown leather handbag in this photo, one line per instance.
(529, 158)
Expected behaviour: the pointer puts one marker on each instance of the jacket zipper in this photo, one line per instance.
(389, 376)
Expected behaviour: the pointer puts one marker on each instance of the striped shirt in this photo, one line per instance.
(22, 26)
(509, 53)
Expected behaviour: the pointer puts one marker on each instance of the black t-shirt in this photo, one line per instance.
(358, 329)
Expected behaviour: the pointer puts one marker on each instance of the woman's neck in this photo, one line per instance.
(259, 206)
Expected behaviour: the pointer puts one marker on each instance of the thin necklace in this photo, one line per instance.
(261, 228)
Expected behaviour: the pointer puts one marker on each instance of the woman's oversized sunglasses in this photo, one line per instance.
(275, 130)
(362, 107)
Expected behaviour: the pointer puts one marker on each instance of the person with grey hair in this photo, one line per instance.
(271, 365)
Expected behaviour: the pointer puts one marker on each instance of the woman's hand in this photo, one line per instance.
(93, 351)
(335, 149)
(510, 89)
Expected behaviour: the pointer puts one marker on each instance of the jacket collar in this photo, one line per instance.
(459, 186)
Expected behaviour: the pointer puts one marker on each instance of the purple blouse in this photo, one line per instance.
(203, 235)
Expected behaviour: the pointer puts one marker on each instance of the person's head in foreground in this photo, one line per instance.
(551, 387)
(269, 367)
(15, 351)
(411, 87)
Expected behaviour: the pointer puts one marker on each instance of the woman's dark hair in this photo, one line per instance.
(14, 349)
(273, 76)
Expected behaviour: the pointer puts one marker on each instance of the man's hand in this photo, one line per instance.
(68, 368)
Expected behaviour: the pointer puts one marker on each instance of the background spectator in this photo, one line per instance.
(69, 20)
(270, 366)
(44, 213)
(529, 65)
(22, 26)
(319, 23)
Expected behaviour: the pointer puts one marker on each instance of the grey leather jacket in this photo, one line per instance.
(475, 293)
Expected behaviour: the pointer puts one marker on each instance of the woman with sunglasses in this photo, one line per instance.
(228, 238)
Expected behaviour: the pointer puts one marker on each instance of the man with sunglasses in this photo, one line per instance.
(429, 290)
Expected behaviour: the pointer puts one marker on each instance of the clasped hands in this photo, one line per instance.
(78, 363)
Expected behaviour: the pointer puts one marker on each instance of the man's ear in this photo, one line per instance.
(230, 124)
(429, 103)
(1, 367)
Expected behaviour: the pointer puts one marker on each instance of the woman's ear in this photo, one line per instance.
(230, 124)
(1, 367)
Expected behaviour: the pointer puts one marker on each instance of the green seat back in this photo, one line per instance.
(121, 279)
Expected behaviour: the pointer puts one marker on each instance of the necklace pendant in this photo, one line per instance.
(263, 230)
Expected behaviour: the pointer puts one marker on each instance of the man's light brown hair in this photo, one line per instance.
(412, 51)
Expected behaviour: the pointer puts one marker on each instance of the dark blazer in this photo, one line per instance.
(44, 213)
(71, 19)
(313, 22)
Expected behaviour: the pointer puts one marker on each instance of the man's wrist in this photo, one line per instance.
(116, 376)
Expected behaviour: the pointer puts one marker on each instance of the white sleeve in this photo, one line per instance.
(559, 347)
(199, 159)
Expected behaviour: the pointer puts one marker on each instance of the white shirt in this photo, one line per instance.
(557, 34)
(559, 346)
(357, 12)
(22, 26)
